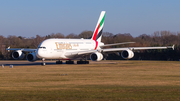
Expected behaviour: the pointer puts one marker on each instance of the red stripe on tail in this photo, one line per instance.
(96, 44)
(96, 32)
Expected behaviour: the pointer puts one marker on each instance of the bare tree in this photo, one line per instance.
(85, 34)
(72, 35)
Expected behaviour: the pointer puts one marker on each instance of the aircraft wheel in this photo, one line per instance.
(58, 62)
(82, 62)
(69, 62)
(43, 64)
(87, 62)
(79, 62)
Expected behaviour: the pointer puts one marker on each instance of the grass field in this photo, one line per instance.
(122, 80)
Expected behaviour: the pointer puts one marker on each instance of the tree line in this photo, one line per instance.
(158, 38)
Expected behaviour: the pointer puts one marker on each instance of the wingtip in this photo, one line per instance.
(8, 48)
(173, 47)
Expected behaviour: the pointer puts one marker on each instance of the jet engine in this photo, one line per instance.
(97, 56)
(18, 54)
(127, 54)
(31, 57)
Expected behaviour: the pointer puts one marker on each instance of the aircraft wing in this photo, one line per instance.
(135, 48)
(87, 52)
(22, 49)
(116, 44)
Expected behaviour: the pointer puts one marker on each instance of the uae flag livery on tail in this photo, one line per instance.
(97, 35)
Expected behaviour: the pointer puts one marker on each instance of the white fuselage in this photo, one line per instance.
(57, 48)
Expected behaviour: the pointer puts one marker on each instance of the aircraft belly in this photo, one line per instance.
(58, 55)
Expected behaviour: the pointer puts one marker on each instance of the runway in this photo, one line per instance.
(27, 63)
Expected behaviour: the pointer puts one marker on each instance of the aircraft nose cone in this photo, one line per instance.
(39, 53)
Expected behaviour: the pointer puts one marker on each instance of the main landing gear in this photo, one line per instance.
(67, 62)
(72, 62)
(82, 62)
(59, 62)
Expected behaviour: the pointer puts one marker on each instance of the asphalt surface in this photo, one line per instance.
(27, 63)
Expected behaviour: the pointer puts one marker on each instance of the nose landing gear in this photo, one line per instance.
(43, 62)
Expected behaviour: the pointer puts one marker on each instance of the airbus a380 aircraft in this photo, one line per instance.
(70, 49)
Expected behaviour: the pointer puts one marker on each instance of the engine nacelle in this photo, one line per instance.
(31, 57)
(127, 54)
(97, 56)
(18, 54)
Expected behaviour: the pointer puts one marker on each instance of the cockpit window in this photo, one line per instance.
(42, 47)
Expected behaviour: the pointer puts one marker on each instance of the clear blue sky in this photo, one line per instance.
(29, 18)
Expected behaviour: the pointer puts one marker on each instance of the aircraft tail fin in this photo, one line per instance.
(97, 34)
